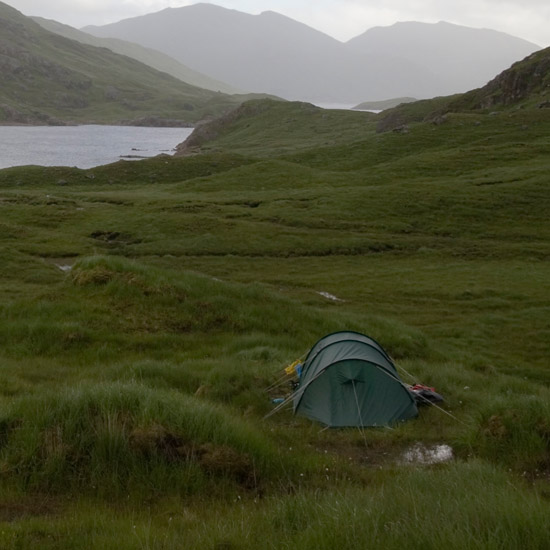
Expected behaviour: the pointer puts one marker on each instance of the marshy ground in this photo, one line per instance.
(146, 307)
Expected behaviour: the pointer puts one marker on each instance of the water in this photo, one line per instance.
(338, 106)
(344, 107)
(422, 454)
(84, 146)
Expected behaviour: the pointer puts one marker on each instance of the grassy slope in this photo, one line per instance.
(139, 377)
(153, 58)
(46, 77)
(523, 86)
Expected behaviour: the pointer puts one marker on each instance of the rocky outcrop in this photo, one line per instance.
(523, 80)
(10, 115)
(427, 110)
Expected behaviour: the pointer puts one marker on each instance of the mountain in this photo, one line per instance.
(274, 54)
(150, 57)
(523, 86)
(271, 53)
(46, 78)
(465, 58)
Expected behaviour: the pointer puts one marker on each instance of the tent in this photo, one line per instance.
(348, 379)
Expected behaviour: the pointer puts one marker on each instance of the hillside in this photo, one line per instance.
(524, 85)
(274, 54)
(243, 130)
(383, 105)
(46, 78)
(157, 60)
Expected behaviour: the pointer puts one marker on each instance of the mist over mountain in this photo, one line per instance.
(270, 52)
(153, 58)
(464, 57)
(46, 78)
(274, 54)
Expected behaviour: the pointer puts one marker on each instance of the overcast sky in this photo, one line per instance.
(343, 19)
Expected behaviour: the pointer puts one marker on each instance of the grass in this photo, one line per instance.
(133, 387)
(384, 514)
(111, 439)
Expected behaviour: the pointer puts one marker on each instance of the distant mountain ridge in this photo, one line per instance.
(46, 78)
(464, 57)
(269, 52)
(157, 60)
(274, 54)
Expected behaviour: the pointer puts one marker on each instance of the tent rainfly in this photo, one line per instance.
(349, 380)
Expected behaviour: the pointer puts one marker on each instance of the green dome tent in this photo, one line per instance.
(347, 380)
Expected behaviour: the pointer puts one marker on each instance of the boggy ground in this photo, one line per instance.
(133, 385)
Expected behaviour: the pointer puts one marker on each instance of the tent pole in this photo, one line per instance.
(362, 427)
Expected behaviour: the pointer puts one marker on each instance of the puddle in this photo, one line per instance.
(330, 297)
(61, 263)
(423, 454)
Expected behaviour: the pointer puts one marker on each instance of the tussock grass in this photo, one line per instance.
(514, 430)
(119, 302)
(109, 439)
(397, 515)
(413, 504)
(156, 374)
(153, 171)
(418, 509)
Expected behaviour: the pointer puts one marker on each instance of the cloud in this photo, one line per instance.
(529, 19)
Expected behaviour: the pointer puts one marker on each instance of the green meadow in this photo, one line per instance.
(148, 310)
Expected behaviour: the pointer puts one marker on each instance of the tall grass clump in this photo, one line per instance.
(114, 438)
(412, 508)
(156, 374)
(43, 328)
(181, 301)
(514, 431)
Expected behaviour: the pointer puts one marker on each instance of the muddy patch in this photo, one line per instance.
(16, 510)
(215, 460)
(114, 237)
